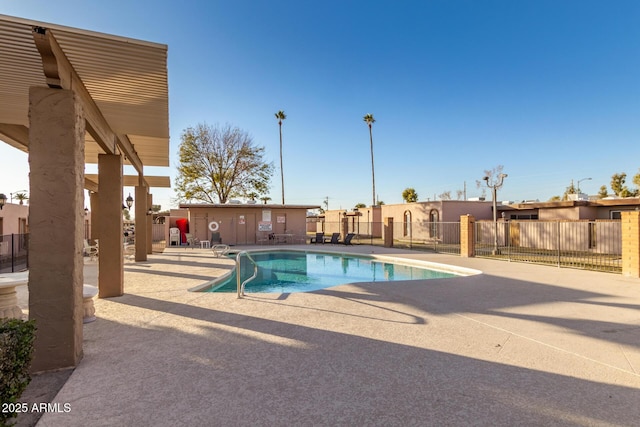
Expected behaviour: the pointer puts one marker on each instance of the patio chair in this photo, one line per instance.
(191, 241)
(91, 251)
(129, 251)
(318, 239)
(215, 238)
(348, 238)
(335, 238)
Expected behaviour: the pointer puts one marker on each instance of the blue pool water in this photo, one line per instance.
(286, 272)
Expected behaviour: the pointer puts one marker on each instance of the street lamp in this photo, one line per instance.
(580, 180)
(494, 190)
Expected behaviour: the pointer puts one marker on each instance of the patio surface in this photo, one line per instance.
(520, 344)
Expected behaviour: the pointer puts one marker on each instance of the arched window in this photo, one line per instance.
(434, 218)
(407, 223)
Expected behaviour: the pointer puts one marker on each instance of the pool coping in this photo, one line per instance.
(440, 267)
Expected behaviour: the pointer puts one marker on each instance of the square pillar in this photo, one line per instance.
(110, 227)
(344, 227)
(467, 239)
(141, 223)
(149, 225)
(93, 200)
(56, 222)
(388, 232)
(630, 225)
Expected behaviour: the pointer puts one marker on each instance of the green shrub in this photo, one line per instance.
(16, 349)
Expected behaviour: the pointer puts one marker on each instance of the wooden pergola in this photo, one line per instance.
(72, 97)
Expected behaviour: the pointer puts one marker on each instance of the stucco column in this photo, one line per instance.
(149, 225)
(388, 232)
(93, 200)
(56, 216)
(344, 229)
(141, 223)
(630, 224)
(467, 233)
(110, 230)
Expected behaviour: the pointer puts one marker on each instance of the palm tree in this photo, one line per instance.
(368, 118)
(280, 115)
(22, 197)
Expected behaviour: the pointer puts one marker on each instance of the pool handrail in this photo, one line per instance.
(255, 272)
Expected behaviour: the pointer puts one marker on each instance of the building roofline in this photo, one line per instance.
(625, 201)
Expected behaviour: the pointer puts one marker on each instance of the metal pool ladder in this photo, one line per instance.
(255, 272)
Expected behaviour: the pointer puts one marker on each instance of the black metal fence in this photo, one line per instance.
(443, 237)
(590, 245)
(14, 252)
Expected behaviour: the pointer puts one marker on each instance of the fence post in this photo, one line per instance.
(630, 227)
(388, 232)
(13, 253)
(467, 232)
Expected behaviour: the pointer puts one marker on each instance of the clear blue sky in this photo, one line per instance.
(549, 89)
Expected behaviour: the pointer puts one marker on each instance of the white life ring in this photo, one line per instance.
(213, 226)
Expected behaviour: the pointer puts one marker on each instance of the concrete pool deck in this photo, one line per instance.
(520, 344)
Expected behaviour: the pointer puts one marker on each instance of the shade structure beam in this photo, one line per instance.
(60, 73)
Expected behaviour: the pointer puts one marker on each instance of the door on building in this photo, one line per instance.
(245, 229)
(200, 227)
(280, 224)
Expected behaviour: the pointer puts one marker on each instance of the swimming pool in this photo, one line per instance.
(304, 271)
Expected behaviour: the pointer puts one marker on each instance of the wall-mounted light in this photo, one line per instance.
(129, 201)
(149, 212)
(3, 200)
(86, 211)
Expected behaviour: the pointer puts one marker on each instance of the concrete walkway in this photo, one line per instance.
(519, 345)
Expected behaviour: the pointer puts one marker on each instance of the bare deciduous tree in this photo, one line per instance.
(220, 162)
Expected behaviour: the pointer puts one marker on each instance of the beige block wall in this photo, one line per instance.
(631, 243)
(467, 233)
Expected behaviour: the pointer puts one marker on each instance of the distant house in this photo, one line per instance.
(609, 208)
(412, 218)
(418, 219)
(14, 219)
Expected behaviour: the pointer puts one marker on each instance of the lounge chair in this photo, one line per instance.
(348, 238)
(318, 239)
(335, 238)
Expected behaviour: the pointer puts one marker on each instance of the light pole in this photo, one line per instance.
(579, 181)
(494, 192)
(368, 118)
